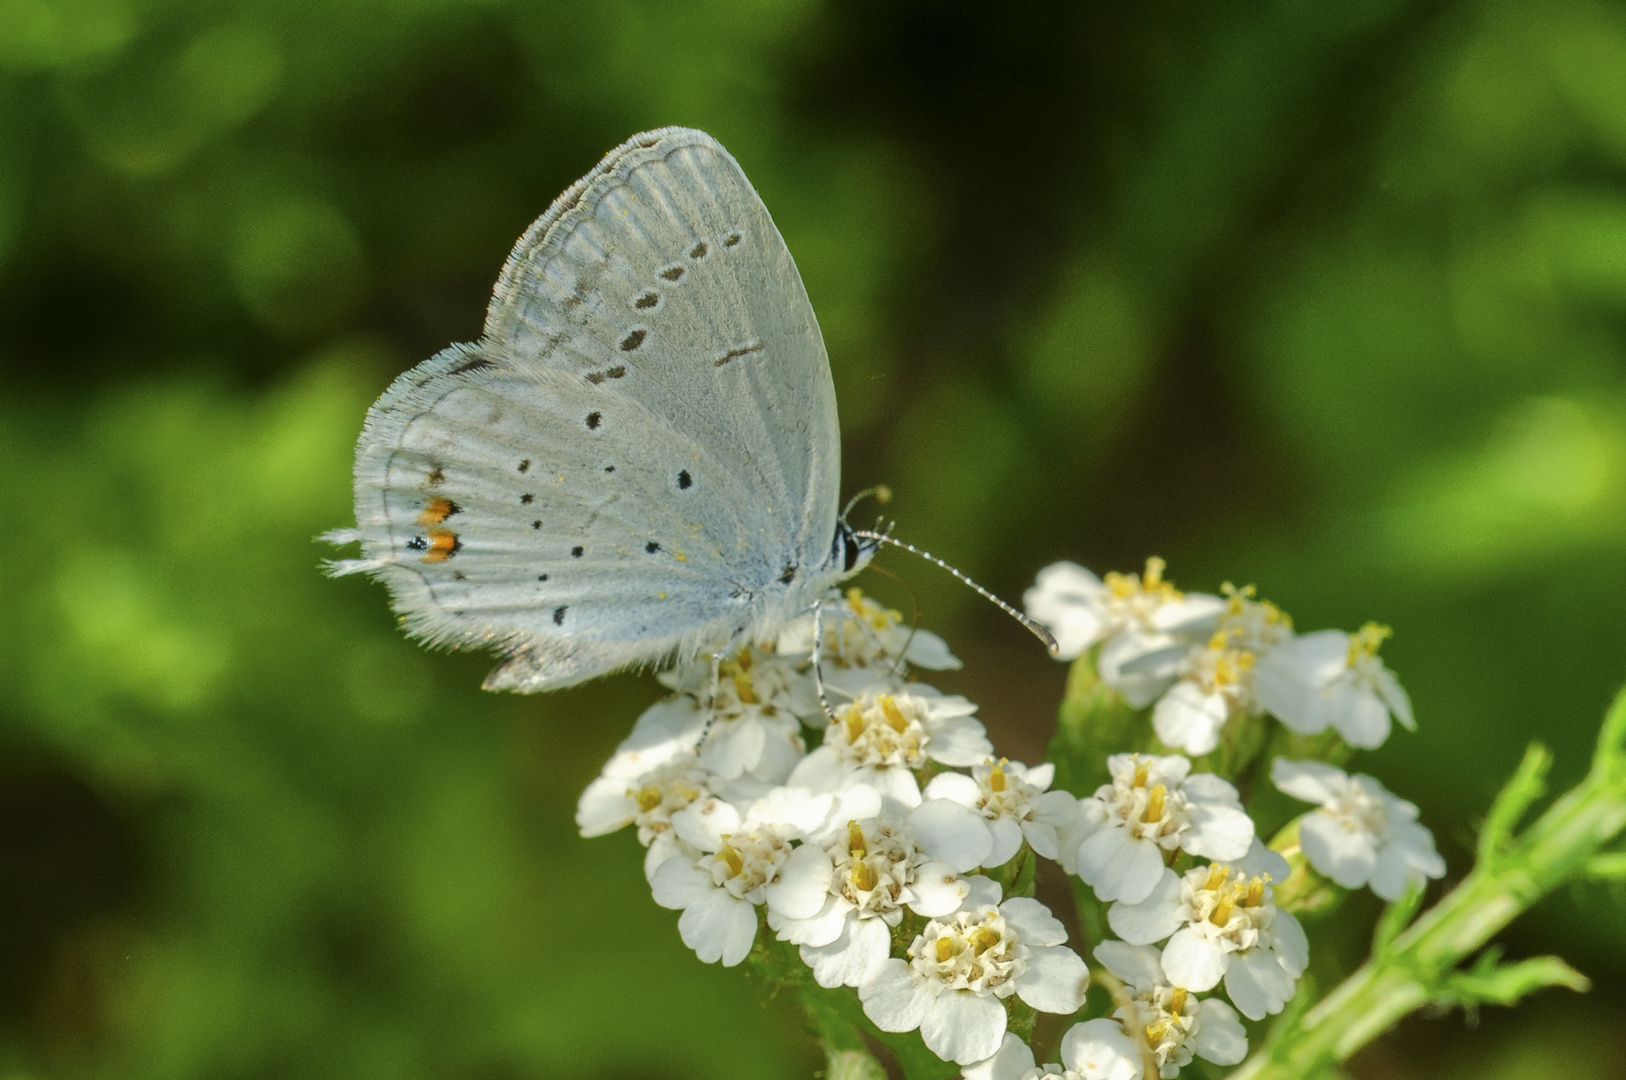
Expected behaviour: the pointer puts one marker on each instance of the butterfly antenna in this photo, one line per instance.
(1038, 631)
(882, 493)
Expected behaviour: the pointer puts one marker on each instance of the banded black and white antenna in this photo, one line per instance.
(1038, 631)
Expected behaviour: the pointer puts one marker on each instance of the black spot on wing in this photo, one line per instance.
(559, 615)
(577, 551)
(672, 273)
(685, 481)
(525, 466)
(472, 365)
(633, 340)
(652, 547)
(594, 419)
(527, 499)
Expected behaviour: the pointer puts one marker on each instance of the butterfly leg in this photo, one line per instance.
(818, 656)
(716, 688)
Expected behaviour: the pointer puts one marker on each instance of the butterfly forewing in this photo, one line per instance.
(640, 457)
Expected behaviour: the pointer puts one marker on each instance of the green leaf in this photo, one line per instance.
(1492, 983)
(1527, 784)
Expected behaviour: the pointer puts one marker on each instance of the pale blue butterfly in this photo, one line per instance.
(639, 460)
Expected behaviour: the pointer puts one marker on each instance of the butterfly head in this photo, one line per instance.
(851, 551)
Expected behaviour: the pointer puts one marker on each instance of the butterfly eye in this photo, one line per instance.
(850, 551)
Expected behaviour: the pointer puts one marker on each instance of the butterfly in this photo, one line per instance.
(639, 460)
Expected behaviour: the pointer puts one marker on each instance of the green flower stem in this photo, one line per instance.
(1420, 964)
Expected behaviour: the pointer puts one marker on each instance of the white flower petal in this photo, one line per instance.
(960, 741)
(781, 751)
(662, 848)
(679, 883)
(963, 1027)
(1055, 980)
(896, 785)
(1208, 788)
(955, 787)
(1119, 867)
(938, 890)
(1138, 965)
(1154, 918)
(1407, 857)
(1152, 661)
(795, 807)
(849, 960)
(1324, 654)
(1312, 781)
(1256, 983)
(1101, 1050)
(1041, 836)
(1280, 686)
(803, 884)
(1260, 861)
(605, 806)
(1032, 921)
(951, 833)
(1068, 599)
(1292, 947)
(1348, 856)
(820, 770)
(1219, 1037)
(1190, 720)
(1394, 696)
(819, 930)
(667, 730)
(1040, 776)
(704, 824)
(854, 803)
(1010, 1062)
(733, 747)
(930, 652)
(1365, 720)
(1071, 835)
(891, 998)
(1007, 840)
(1218, 833)
(981, 892)
(1194, 613)
(1195, 961)
(719, 926)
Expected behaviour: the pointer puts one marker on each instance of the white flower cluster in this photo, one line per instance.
(861, 853)
(1206, 660)
(880, 858)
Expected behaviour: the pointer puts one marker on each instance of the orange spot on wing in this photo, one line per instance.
(438, 510)
(443, 544)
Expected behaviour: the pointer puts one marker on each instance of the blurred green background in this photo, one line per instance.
(1326, 297)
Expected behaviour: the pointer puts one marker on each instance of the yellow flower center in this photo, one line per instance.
(1367, 640)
